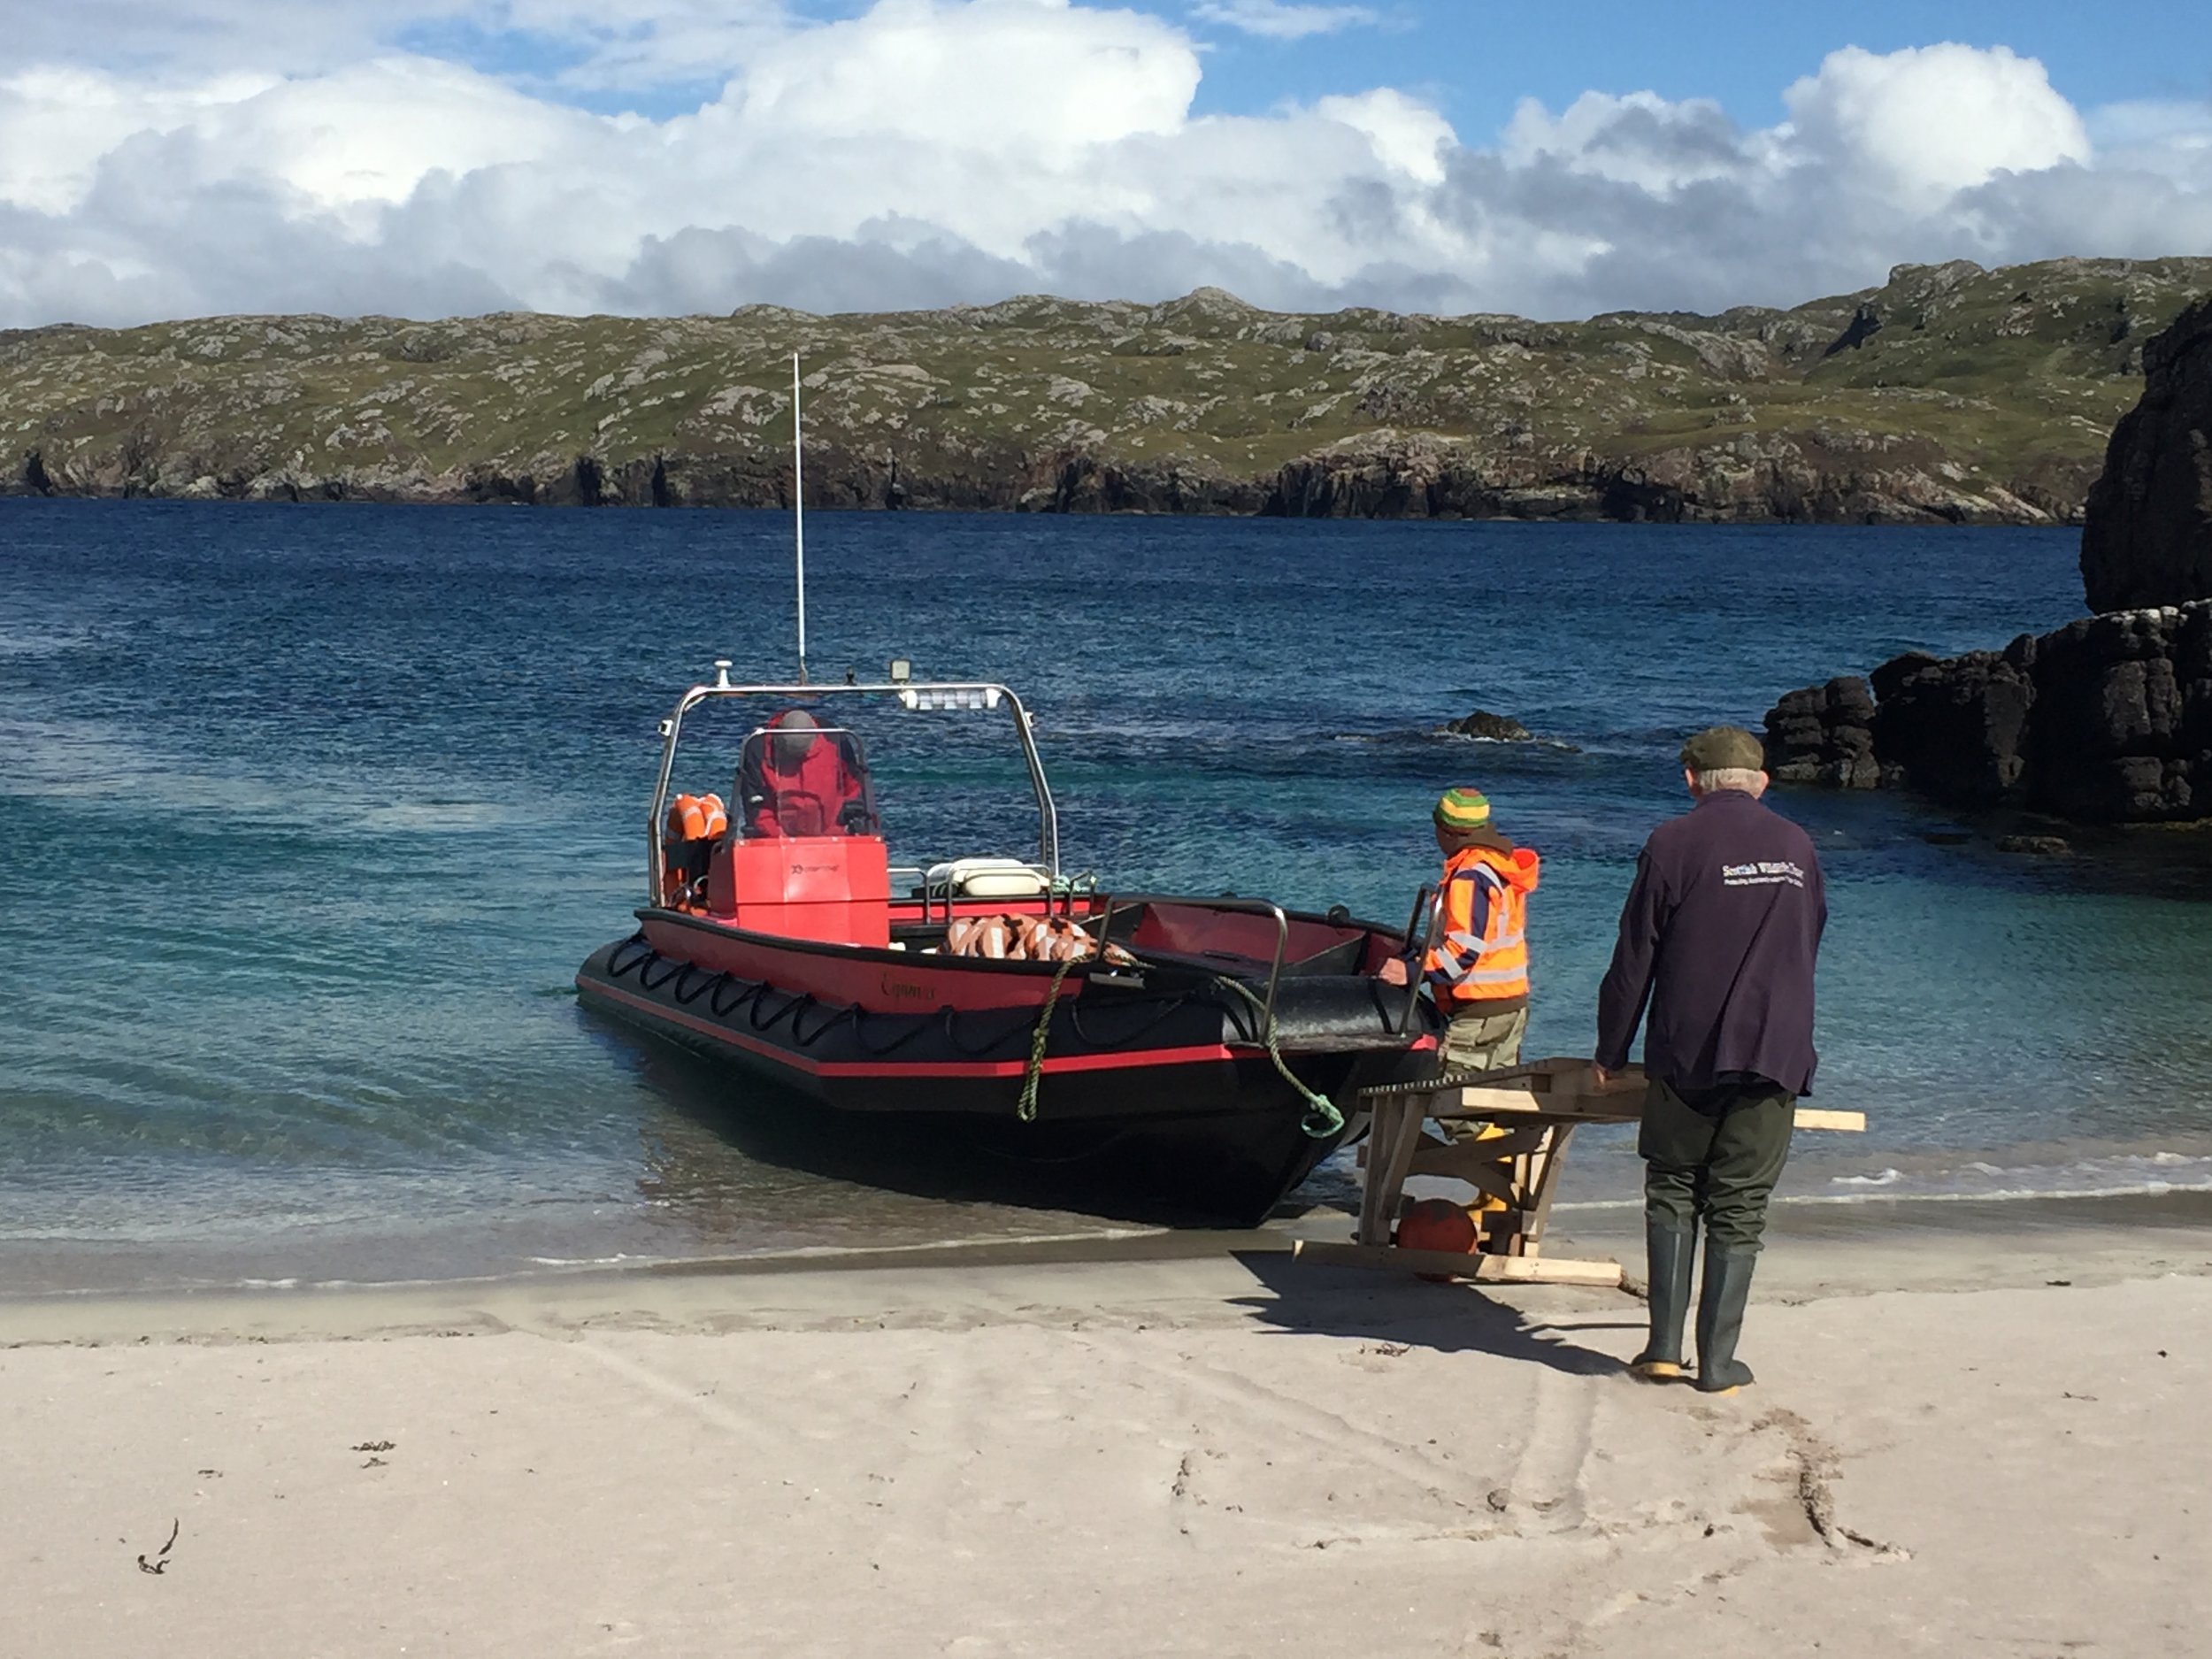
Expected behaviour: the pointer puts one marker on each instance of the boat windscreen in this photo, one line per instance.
(808, 780)
(936, 784)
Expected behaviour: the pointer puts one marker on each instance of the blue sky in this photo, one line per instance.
(1475, 60)
(162, 157)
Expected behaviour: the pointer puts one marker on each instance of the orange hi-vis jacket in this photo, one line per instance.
(1479, 960)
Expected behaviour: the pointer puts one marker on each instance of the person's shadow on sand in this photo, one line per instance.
(1451, 1318)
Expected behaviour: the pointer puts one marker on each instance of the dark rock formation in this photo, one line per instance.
(2106, 720)
(2147, 537)
(1497, 728)
(1959, 724)
(1824, 735)
(1866, 322)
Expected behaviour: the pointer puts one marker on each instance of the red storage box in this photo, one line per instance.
(836, 888)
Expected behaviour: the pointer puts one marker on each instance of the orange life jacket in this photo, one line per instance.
(1466, 969)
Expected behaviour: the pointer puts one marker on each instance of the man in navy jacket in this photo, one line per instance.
(1719, 935)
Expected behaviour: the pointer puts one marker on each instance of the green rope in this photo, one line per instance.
(1321, 1119)
(1027, 1109)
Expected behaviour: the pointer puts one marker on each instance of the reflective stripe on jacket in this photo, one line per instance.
(1480, 951)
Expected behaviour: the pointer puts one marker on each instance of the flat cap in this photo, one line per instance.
(1724, 749)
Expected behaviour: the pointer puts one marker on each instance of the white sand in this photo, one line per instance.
(1221, 1456)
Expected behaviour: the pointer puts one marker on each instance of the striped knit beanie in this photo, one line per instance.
(1463, 810)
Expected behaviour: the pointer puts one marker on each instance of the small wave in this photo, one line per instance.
(1558, 746)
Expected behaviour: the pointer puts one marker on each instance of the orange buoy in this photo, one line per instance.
(1437, 1224)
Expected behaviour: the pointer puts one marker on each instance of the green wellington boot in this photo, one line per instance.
(1720, 1309)
(1669, 1247)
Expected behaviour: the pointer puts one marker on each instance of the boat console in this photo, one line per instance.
(834, 889)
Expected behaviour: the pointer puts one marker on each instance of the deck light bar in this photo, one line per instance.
(950, 697)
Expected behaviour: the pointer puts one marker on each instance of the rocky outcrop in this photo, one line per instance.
(1824, 735)
(2148, 538)
(1955, 729)
(2106, 720)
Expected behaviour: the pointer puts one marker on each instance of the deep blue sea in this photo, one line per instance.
(309, 813)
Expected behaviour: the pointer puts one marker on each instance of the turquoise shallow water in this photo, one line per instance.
(310, 813)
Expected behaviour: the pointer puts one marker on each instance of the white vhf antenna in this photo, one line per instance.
(798, 512)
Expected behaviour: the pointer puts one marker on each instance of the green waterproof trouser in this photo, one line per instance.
(1716, 1165)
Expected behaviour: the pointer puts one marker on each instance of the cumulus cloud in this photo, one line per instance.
(922, 152)
(1936, 119)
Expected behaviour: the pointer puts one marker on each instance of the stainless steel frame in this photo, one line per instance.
(672, 733)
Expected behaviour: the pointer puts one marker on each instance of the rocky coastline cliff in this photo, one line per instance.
(2106, 720)
(1949, 394)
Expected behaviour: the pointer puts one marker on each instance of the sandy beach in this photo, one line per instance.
(1185, 1447)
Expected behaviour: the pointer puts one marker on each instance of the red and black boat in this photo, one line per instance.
(1169, 1053)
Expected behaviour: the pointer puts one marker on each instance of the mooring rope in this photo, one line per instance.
(1026, 1108)
(1321, 1119)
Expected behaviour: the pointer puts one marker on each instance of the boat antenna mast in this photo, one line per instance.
(798, 512)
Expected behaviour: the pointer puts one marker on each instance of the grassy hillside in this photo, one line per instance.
(1950, 392)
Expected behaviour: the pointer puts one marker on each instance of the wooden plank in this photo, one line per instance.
(1545, 1183)
(1819, 1118)
(1519, 1270)
(1506, 1103)
(1397, 1133)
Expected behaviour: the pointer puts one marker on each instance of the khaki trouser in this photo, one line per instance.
(1477, 1041)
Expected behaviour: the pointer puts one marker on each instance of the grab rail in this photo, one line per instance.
(1428, 903)
(1244, 907)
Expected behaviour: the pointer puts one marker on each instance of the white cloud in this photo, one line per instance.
(1004, 77)
(1937, 119)
(1281, 19)
(927, 151)
(1406, 134)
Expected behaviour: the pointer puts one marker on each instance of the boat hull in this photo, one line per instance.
(1155, 1094)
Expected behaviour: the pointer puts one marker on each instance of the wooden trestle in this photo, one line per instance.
(1527, 1115)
